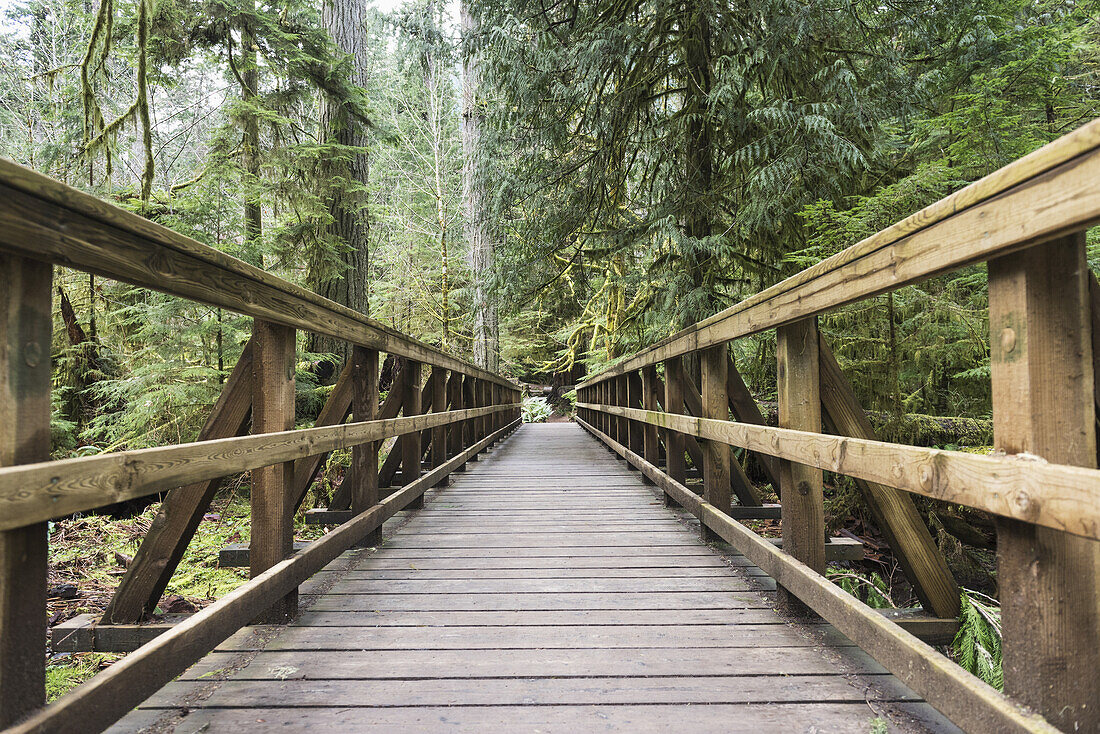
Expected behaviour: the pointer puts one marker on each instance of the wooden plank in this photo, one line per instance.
(409, 444)
(1052, 495)
(963, 698)
(364, 456)
(798, 383)
(54, 489)
(468, 587)
(716, 455)
(744, 408)
(740, 484)
(634, 400)
(438, 445)
(178, 518)
(895, 512)
(26, 325)
(674, 440)
(335, 411)
(1094, 311)
(272, 535)
(488, 664)
(108, 696)
(48, 221)
(494, 620)
(236, 555)
(84, 633)
(1049, 192)
(651, 449)
(454, 431)
(1043, 404)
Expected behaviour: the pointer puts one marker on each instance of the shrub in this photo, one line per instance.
(536, 410)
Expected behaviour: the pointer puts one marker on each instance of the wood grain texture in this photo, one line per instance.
(798, 384)
(716, 454)
(895, 512)
(1043, 404)
(963, 698)
(651, 448)
(1051, 191)
(409, 445)
(674, 440)
(1017, 486)
(49, 221)
(38, 492)
(107, 697)
(178, 518)
(25, 336)
(272, 526)
(364, 456)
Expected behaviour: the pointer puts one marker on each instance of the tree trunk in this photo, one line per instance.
(479, 233)
(250, 149)
(344, 20)
(698, 150)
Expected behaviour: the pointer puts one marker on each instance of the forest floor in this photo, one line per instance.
(89, 555)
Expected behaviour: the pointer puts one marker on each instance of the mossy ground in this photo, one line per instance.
(90, 553)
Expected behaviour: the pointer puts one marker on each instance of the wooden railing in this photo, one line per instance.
(44, 223)
(1028, 221)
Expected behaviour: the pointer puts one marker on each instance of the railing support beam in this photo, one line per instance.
(716, 456)
(799, 387)
(409, 444)
(364, 457)
(1042, 370)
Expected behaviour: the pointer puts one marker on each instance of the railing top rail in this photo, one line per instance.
(47, 220)
(1051, 191)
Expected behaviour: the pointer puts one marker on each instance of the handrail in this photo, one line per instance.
(1060, 183)
(47, 223)
(44, 219)
(1027, 221)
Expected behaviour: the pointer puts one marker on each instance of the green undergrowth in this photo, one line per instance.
(89, 554)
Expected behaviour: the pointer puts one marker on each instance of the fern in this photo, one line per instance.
(536, 410)
(977, 646)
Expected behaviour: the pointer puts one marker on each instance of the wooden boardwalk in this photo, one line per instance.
(545, 589)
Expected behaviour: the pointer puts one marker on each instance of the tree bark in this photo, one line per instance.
(344, 20)
(479, 232)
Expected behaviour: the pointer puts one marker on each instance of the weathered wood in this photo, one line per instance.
(1053, 495)
(84, 633)
(388, 474)
(715, 404)
(674, 440)
(1094, 311)
(895, 513)
(72, 485)
(438, 446)
(108, 696)
(236, 555)
(272, 535)
(181, 512)
(744, 408)
(651, 449)
(48, 221)
(1043, 404)
(454, 430)
(409, 444)
(740, 484)
(26, 325)
(1053, 190)
(335, 411)
(967, 701)
(634, 399)
(798, 383)
(364, 456)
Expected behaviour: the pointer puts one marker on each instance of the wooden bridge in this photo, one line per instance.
(547, 587)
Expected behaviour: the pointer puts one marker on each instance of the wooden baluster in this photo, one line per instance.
(411, 450)
(272, 537)
(469, 431)
(634, 400)
(716, 456)
(438, 447)
(1042, 370)
(26, 326)
(674, 440)
(799, 387)
(622, 425)
(364, 457)
(651, 449)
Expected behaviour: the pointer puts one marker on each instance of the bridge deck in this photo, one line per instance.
(546, 589)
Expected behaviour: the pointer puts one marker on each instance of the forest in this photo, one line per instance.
(542, 188)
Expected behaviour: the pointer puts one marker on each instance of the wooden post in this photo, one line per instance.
(469, 400)
(26, 327)
(454, 431)
(651, 449)
(272, 537)
(622, 425)
(799, 388)
(716, 456)
(1042, 370)
(635, 434)
(411, 451)
(674, 440)
(364, 457)
(438, 447)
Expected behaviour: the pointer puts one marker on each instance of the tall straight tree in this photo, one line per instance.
(479, 230)
(343, 278)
